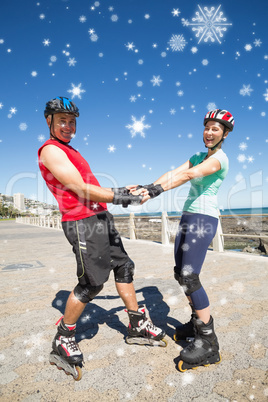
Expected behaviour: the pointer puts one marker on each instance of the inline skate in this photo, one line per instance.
(141, 330)
(203, 350)
(66, 354)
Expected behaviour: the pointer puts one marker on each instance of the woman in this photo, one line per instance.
(198, 225)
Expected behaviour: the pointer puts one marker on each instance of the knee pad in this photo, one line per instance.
(189, 281)
(86, 293)
(125, 273)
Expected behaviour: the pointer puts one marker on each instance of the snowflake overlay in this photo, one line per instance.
(208, 24)
(137, 126)
(177, 43)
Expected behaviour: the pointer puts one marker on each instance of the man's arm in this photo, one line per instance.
(57, 162)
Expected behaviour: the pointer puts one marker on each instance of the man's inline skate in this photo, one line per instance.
(185, 332)
(66, 354)
(141, 330)
(203, 350)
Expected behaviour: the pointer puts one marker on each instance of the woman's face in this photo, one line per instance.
(213, 133)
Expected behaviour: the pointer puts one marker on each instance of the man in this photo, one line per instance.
(89, 228)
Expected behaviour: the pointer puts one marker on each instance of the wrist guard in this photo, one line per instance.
(127, 199)
(153, 190)
(120, 190)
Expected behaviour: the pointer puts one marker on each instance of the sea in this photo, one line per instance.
(232, 212)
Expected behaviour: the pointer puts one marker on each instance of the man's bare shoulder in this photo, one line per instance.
(52, 153)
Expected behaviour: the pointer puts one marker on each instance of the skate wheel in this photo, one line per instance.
(180, 367)
(165, 343)
(219, 360)
(78, 375)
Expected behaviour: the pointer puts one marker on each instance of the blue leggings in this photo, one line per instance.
(194, 236)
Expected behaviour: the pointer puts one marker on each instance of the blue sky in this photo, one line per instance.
(135, 65)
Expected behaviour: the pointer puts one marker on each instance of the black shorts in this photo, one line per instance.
(97, 246)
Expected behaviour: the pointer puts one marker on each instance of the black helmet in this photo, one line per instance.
(60, 104)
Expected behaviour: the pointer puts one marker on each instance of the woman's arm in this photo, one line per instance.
(187, 172)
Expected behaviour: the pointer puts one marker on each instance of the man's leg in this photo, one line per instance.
(74, 308)
(127, 293)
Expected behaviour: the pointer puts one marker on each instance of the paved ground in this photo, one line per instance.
(37, 271)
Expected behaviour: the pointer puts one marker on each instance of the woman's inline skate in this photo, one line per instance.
(203, 350)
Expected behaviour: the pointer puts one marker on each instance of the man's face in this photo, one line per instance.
(63, 126)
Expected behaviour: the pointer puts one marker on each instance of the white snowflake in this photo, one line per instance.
(243, 146)
(185, 247)
(187, 379)
(130, 46)
(248, 47)
(200, 232)
(1, 105)
(250, 159)
(156, 81)
(41, 138)
(177, 43)
(194, 49)
(246, 90)
(205, 62)
(211, 106)
(46, 42)
(139, 84)
(209, 24)
(95, 205)
(241, 158)
(172, 111)
(114, 18)
(133, 98)
(111, 148)
(53, 59)
(72, 62)
(176, 12)
(94, 37)
(266, 95)
(13, 110)
(76, 91)
(138, 126)
(42, 16)
(82, 18)
(257, 42)
(23, 126)
(180, 93)
(147, 16)
(34, 73)
(187, 270)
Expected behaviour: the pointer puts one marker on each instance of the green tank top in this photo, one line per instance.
(202, 197)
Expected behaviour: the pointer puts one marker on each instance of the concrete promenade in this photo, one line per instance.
(37, 272)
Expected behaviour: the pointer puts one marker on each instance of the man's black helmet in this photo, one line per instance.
(61, 105)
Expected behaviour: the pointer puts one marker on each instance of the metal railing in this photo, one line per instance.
(167, 225)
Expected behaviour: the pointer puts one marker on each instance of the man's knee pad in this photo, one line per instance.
(125, 273)
(189, 281)
(86, 293)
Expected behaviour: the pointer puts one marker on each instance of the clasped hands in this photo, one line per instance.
(135, 194)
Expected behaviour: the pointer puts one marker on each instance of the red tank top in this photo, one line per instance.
(71, 206)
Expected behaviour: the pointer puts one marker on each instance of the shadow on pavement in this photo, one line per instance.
(94, 315)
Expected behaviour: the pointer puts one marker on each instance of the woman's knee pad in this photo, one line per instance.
(125, 273)
(86, 293)
(189, 281)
